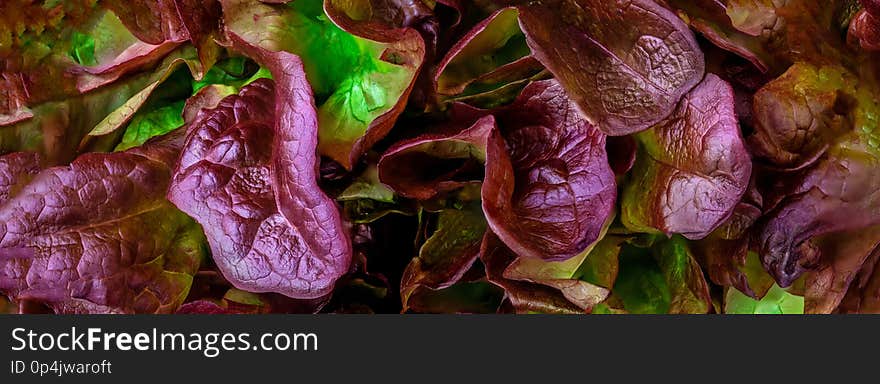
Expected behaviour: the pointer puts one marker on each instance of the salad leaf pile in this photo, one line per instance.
(440, 156)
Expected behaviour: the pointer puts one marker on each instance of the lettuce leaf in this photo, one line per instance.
(693, 168)
(624, 63)
(361, 85)
(248, 175)
(74, 238)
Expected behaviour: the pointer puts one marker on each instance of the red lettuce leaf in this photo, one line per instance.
(248, 174)
(725, 254)
(380, 20)
(693, 168)
(711, 18)
(839, 192)
(865, 28)
(16, 170)
(98, 236)
(548, 190)
(624, 63)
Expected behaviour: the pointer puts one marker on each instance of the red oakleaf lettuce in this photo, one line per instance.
(248, 175)
(98, 236)
(548, 190)
(624, 63)
(693, 168)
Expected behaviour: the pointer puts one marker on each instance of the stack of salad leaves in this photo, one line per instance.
(440, 156)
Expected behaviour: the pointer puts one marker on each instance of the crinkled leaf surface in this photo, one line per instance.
(549, 190)
(16, 170)
(693, 167)
(98, 236)
(248, 175)
(800, 114)
(625, 63)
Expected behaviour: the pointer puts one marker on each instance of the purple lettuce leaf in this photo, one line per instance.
(693, 167)
(548, 190)
(248, 174)
(838, 194)
(16, 170)
(725, 255)
(98, 236)
(624, 63)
